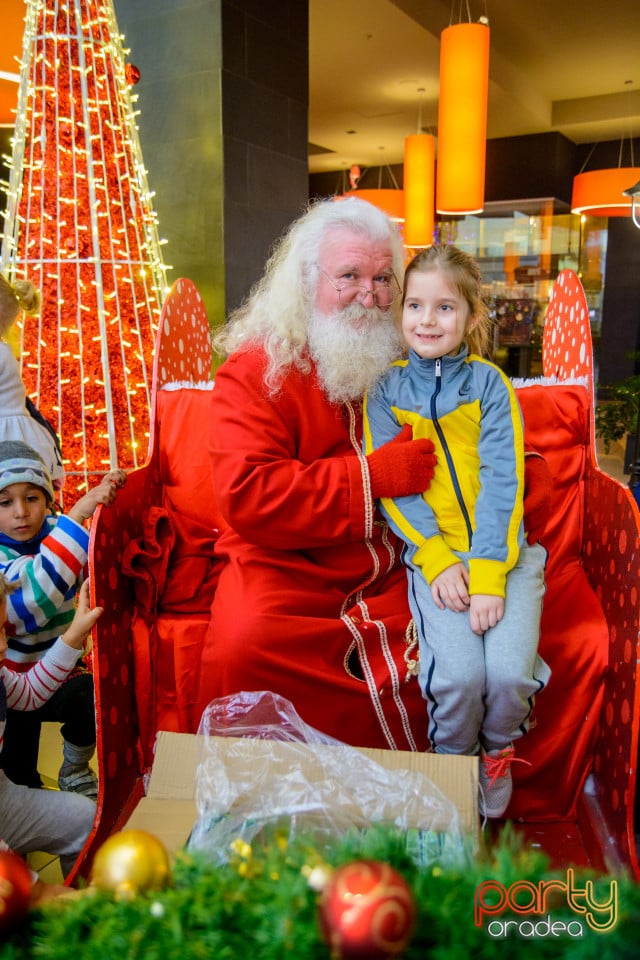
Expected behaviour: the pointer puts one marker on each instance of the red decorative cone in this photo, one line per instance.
(81, 227)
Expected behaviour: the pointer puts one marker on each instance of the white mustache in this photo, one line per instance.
(356, 313)
(352, 348)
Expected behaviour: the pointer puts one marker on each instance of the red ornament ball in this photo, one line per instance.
(367, 910)
(131, 74)
(15, 889)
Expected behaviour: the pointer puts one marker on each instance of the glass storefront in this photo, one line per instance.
(521, 252)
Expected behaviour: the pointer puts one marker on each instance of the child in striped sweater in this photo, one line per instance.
(32, 819)
(44, 555)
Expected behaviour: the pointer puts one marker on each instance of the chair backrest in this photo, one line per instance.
(183, 356)
(183, 345)
(567, 351)
(611, 558)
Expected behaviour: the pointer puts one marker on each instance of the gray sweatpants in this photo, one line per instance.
(53, 821)
(480, 689)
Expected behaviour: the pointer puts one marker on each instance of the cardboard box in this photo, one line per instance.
(169, 809)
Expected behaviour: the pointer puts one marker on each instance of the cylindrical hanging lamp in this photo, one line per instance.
(462, 118)
(388, 200)
(601, 193)
(419, 163)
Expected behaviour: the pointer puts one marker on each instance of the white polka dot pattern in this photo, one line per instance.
(566, 350)
(183, 350)
(611, 557)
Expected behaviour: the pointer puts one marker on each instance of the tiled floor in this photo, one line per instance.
(50, 756)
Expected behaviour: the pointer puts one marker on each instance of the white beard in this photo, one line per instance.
(351, 349)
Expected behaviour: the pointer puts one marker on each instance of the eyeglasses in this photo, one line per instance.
(383, 293)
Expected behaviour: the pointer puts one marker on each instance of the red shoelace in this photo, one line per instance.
(499, 766)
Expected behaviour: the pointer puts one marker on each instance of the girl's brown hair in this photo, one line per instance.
(464, 274)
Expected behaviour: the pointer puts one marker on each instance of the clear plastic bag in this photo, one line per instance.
(262, 766)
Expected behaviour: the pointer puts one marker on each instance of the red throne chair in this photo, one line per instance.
(152, 570)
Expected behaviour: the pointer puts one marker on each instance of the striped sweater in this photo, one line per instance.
(48, 571)
(28, 691)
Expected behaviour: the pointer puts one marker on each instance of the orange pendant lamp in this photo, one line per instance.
(419, 166)
(601, 193)
(10, 49)
(388, 200)
(462, 118)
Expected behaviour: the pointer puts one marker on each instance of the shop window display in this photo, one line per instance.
(521, 248)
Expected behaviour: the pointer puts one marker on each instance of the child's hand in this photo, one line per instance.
(105, 493)
(449, 588)
(117, 478)
(485, 612)
(43, 892)
(83, 621)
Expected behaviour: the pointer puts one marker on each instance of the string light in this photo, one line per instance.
(80, 225)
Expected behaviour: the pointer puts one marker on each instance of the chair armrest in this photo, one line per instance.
(112, 528)
(611, 558)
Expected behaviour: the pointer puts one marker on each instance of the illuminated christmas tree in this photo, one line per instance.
(80, 225)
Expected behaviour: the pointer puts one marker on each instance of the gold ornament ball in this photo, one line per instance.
(129, 862)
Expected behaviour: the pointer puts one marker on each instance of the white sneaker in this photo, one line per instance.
(495, 785)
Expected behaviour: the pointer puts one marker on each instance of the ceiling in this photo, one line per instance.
(571, 66)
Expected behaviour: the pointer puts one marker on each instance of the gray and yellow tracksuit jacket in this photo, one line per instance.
(473, 506)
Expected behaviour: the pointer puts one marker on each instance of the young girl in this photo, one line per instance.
(17, 422)
(475, 584)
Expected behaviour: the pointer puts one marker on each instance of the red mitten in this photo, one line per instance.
(537, 495)
(402, 466)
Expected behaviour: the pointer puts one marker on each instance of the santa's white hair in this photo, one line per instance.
(279, 308)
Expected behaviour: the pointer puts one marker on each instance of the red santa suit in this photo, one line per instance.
(311, 602)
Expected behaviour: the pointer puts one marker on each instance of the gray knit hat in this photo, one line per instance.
(20, 463)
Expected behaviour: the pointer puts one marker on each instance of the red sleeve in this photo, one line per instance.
(288, 470)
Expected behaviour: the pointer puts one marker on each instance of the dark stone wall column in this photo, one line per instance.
(176, 45)
(223, 101)
(265, 95)
(621, 302)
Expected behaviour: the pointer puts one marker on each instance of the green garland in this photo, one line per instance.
(260, 905)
